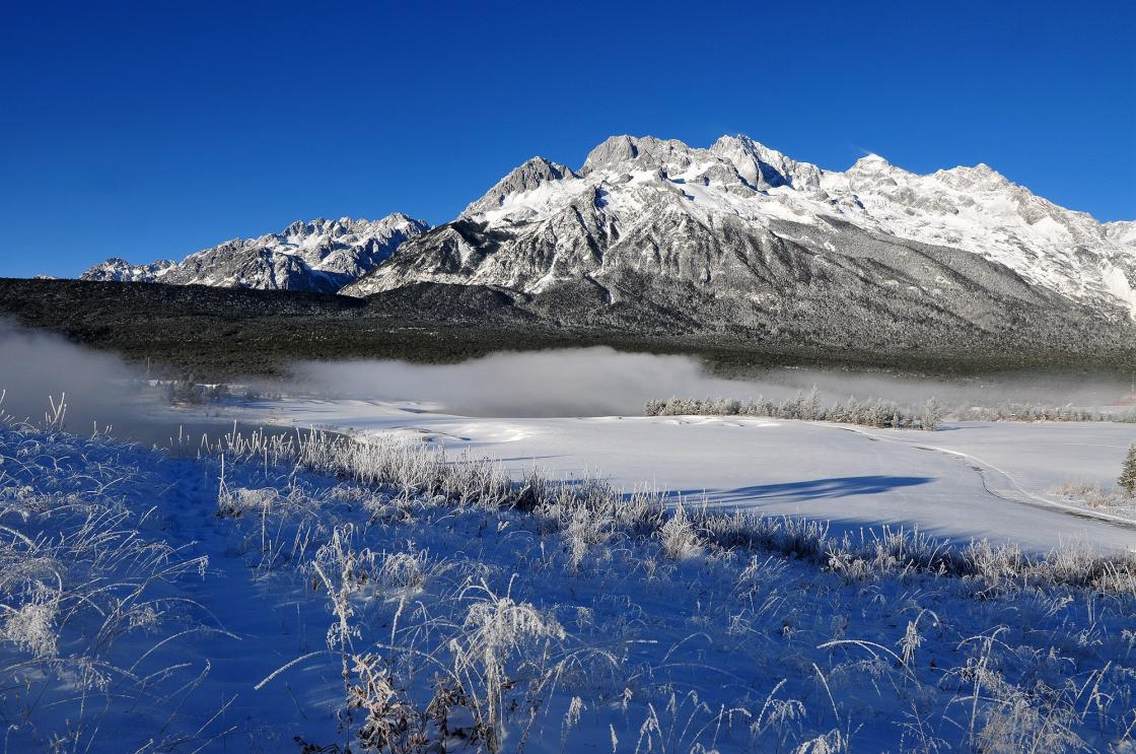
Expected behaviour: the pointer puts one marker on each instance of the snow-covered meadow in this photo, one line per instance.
(995, 480)
(383, 597)
(423, 581)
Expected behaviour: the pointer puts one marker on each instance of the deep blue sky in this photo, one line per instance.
(154, 129)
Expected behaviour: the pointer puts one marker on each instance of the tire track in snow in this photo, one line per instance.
(983, 468)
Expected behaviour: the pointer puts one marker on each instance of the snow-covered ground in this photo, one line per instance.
(967, 480)
(151, 603)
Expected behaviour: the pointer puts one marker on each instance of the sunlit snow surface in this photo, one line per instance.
(971, 479)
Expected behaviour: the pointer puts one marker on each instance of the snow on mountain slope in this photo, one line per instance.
(1122, 232)
(644, 203)
(979, 210)
(117, 269)
(319, 255)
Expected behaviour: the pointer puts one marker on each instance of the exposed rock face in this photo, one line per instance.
(320, 255)
(526, 177)
(739, 235)
(655, 234)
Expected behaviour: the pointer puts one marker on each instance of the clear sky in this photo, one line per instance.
(154, 129)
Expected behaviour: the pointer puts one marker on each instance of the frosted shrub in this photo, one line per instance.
(591, 511)
(994, 563)
(54, 419)
(390, 723)
(1022, 723)
(340, 565)
(757, 574)
(236, 502)
(410, 468)
(31, 627)
(748, 530)
(585, 530)
(778, 716)
(404, 571)
(500, 638)
(931, 415)
(678, 536)
(833, 742)
(1008, 718)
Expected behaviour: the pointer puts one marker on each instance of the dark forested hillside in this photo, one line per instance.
(217, 332)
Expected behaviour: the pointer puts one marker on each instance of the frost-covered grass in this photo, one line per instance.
(263, 593)
(585, 507)
(90, 589)
(1112, 500)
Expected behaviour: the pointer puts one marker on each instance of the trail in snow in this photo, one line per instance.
(1025, 497)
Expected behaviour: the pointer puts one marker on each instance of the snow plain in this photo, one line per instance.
(139, 618)
(967, 480)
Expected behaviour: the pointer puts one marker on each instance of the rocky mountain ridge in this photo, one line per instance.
(318, 255)
(628, 184)
(737, 237)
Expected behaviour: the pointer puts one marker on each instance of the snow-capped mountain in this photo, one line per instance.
(319, 255)
(118, 270)
(742, 234)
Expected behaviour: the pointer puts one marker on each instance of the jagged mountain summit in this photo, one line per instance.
(318, 255)
(655, 235)
(741, 235)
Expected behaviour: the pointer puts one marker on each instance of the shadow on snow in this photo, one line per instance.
(807, 490)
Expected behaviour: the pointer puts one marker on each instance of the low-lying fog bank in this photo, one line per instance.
(600, 381)
(94, 391)
(595, 381)
(36, 366)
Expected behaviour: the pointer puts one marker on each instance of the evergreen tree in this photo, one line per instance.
(1128, 472)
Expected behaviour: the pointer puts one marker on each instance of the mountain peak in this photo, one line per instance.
(610, 151)
(400, 217)
(870, 163)
(978, 175)
(763, 167)
(525, 177)
(647, 151)
(747, 144)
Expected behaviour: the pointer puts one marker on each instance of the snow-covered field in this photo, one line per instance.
(967, 480)
(335, 599)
